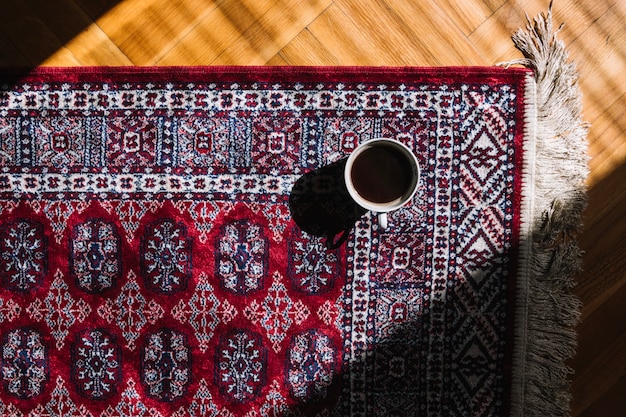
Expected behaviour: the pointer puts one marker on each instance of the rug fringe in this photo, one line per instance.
(548, 311)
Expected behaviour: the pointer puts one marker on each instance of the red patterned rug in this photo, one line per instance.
(164, 243)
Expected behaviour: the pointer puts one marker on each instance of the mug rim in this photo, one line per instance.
(387, 207)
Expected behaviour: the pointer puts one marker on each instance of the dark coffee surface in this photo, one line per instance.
(381, 174)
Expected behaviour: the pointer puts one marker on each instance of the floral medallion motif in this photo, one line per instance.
(397, 313)
(345, 133)
(9, 310)
(24, 363)
(240, 365)
(166, 365)
(59, 309)
(23, 258)
(276, 142)
(65, 144)
(396, 366)
(130, 311)
(400, 261)
(204, 312)
(96, 364)
(277, 312)
(130, 404)
(202, 403)
(95, 255)
(241, 259)
(131, 141)
(310, 365)
(312, 267)
(60, 404)
(205, 141)
(8, 130)
(166, 257)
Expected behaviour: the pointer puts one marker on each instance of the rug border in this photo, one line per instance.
(332, 74)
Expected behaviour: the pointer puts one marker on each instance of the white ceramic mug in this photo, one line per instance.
(382, 175)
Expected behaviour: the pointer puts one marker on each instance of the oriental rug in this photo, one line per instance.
(178, 242)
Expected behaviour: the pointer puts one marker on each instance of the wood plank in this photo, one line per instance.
(11, 56)
(93, 47)
(599, 375)
(277, 60)
(26, 32)
(604, 49)
(607, 141)
(612, 403)
(608, 153)
(494, 4)
(273, 30)
(385, 22)
(601, 329)
(306, 49)
(96, 8)
(145, 30)
(368, 34)
(604, 198)
(604, 234)
(340, 35)
(63, 57)
(83, 42)
(488, 37)
(601, 279)
(221, 28)
(578, 16)
(466, 15)
(64, 18)
(436, 31)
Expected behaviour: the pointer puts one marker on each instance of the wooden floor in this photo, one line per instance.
(384, 32)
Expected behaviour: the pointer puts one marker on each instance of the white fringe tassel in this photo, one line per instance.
(548, 311)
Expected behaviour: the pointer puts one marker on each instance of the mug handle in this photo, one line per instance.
(382, 220)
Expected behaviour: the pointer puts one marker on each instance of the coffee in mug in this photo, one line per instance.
(382, 175)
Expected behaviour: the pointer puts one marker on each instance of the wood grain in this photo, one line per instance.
(383, 32)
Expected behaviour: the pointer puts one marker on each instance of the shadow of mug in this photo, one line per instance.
(321, 205)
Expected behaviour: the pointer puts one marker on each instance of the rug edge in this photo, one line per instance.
(540, 375)
(250, 74)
